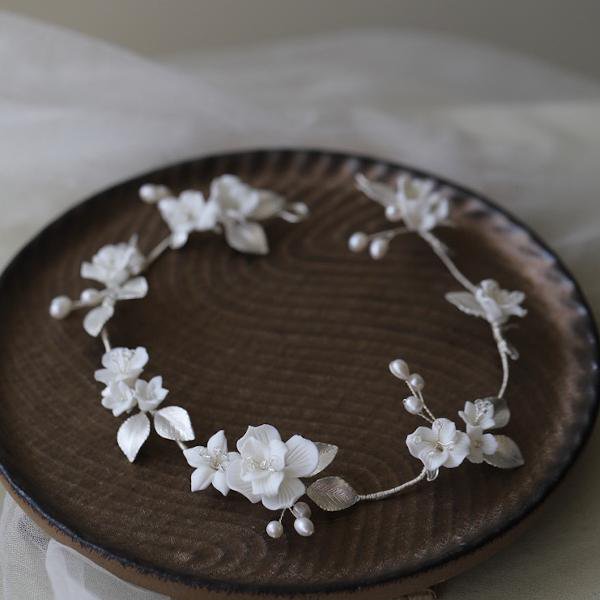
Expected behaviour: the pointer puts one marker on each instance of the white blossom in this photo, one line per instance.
(122, 364)
(415, 202)
(439, 446)
(187, 213)
(119, 397)
(210, 463)
(489, 302)
(481, 444)
(269, 470)
(116, 266)
(478, 414)
(150, 394)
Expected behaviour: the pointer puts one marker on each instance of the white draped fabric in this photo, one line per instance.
(77, 115)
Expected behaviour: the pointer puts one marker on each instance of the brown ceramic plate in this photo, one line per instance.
(300, 339)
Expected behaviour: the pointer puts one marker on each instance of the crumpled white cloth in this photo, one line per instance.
(77, 115)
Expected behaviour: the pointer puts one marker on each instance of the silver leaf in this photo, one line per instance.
(173, 423)
(466, 302)
(132, 434)
(332, 493)
(246, 236)
(507, 456)
(501, 411)
(327, 453)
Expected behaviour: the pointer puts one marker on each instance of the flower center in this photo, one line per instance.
(264, 464)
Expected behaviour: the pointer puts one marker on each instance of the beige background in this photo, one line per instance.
(565, 33)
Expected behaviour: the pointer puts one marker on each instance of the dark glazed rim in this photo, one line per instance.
(19, 490)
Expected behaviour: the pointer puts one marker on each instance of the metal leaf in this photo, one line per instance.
(501, 411)
(507, 456)
(466, 302)
(332, 493)
(132, 434)
(173, 423)
(327, 453)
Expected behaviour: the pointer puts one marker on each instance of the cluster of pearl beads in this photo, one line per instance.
(413, 404)
(302, 524)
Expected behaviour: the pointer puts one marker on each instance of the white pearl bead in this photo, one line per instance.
(60, 307)
(304, 526)
(416, 381)
(358, 241)
(399, 369)
(413, 405)
(90, 296)
(152, 193)
(393, 213)
(301, 509)
(378, 248)
(274, 529)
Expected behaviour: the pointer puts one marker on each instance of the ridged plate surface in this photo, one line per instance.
(300, 339)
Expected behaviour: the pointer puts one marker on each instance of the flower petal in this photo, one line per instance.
(217, 443)
(433, 458)
(220, 482)
(173, 423)
(290, 490)
(460, 450)
(133, 289)
(132, 434)
(202, 477)
(97, 318)
(236, 483)
(383, 194)
(268, 486)
(466, 302)
(302, 457)
(262, 433)
(246, 236)
(445, 430)
(196, 456)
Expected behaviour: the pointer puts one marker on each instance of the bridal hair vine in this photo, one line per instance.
(263, 467)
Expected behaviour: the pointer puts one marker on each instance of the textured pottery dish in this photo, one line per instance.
(301, 339)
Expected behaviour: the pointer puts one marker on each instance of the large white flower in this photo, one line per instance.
(210, 463)
(269, 469)
(439, 446)
(482, 444)
(115, 266)
(187, 213)
(414, 201)
(122, 364)
(489, 302)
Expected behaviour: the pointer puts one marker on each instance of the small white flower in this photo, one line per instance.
(489, 302)
(122, 364)
(187, 213)
(478, 414)
(116, 266)
(118, 397)
(211, 463)
(482, 444)
(439, 446)
(415, 202)
(150, 394)
(269, 469)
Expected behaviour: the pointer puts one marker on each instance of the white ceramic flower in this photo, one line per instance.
(187, 213)
(122, 365)
(481, 445)
(150, 394)
(489, 302)
(269, 469)
(211, 463)
(414, 201)
(119, 397)
(478, 414)
(439, 446)
(115, 266)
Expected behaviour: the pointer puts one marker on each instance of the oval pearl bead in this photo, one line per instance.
(378, 248)
(399, 369)
(416, 381)
(393, 213)
(90, 296)
(60, 307)
(274, 529)
(304, 526)
(152, 193)
(301, 509)
(358, 241)
(413, 405)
